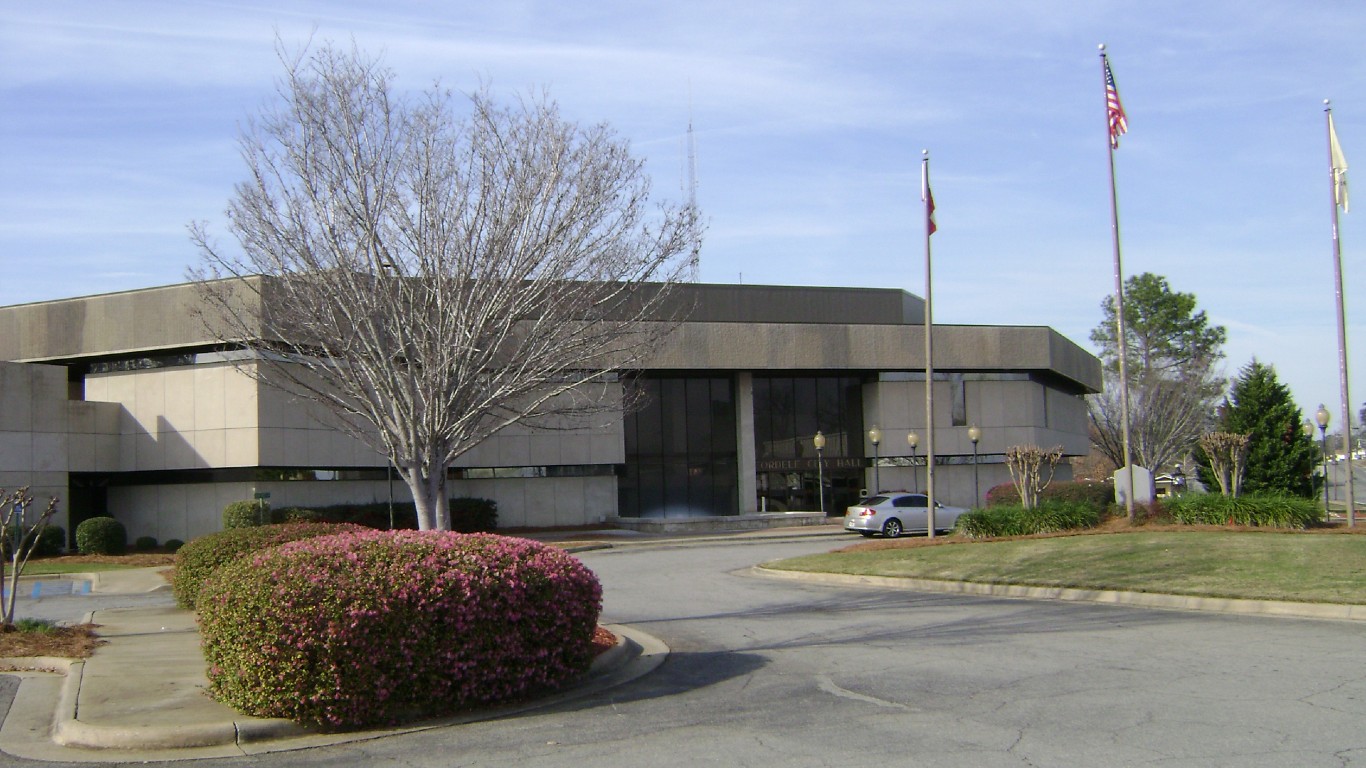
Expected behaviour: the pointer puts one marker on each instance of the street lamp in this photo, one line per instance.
(819, 442)
(875, 436)
(1321, 416)
(914, 440)
(975, 434)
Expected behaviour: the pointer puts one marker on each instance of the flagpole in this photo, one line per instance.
(1337, 169)
(1120, 330)
(925, 196)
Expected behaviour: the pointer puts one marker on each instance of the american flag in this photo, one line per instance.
(1119, 124)
(926, 195)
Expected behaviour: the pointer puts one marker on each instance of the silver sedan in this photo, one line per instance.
(893, 514)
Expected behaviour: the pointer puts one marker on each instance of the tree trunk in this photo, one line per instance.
(429, 497)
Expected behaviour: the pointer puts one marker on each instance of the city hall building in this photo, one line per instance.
(123, 404)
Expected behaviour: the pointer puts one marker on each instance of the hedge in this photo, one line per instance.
(375, 627)
(1262, 510)
(1099, 495)
(197, 560)
(473, 515)
(468, 514)
(1048, 517)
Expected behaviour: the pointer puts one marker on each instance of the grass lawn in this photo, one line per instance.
(1265, 565)
(88, 563)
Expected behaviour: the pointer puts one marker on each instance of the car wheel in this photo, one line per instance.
(892, 529)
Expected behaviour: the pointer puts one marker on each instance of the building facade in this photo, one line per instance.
(123, 404)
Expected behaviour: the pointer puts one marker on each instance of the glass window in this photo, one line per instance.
(687, 467)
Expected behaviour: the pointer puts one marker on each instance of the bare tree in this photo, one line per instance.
(22, 526)
(1227, 454)
(432, 277)
(1167, 416)
(1026, 464)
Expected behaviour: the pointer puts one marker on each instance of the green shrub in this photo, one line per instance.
(197, 560)
(37, 626)
(173, 545)
(1262, 510)
(297, 515)
(101, 536)
(472, 515)
(1048, 517)
(145, 543)
(371, 514)
(1098, 495)
(245, 514)
(373, 627)
(51, 541)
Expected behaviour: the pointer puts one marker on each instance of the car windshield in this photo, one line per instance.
(873, 502)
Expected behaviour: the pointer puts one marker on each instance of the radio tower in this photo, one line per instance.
(694, 267)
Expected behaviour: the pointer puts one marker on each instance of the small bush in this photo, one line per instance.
(145, 543)
(373, 627)
(197, 560)
(1098, 495)
(51, 541)
(173, 545)
(101, 536)
(472, 515)
(37, 626)
(1048, 517)
(297, 515)
(245, 514)
(1263, 510)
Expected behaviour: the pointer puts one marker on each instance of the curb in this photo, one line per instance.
(1278, 608)
(687, 541)
(635, 654)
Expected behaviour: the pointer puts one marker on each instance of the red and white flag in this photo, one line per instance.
(1119, 123)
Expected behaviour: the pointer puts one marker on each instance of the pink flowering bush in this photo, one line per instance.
(196, 561)
(380, 626)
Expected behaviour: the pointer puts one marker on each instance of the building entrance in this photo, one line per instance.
(799, 491)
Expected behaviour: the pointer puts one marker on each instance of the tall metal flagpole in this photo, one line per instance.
(1117, 123)
(1337, 165)
(930, 227)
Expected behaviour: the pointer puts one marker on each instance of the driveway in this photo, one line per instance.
(770, 673)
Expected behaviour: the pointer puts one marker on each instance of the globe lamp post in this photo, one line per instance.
(875, 437)
(975, 434)
(819, 442)
(913, 440)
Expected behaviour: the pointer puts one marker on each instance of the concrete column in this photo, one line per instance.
(744, 443)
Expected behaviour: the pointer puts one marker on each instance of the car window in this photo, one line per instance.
(912, 500)
(873, 502)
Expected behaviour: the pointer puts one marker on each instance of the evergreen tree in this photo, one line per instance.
(1281, 457)
(1174, 386)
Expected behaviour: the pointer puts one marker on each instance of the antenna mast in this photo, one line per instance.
(694, 265)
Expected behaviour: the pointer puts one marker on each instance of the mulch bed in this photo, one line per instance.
(603, 641)
(76, 642)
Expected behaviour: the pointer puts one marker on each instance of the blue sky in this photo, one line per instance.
(118, 122)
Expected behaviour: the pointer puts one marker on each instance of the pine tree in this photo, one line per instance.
(1281, 457)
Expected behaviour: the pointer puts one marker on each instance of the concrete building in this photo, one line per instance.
(122, 404)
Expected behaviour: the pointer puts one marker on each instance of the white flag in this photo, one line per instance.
(1339, 166)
